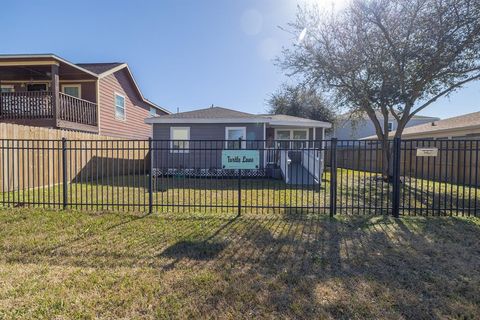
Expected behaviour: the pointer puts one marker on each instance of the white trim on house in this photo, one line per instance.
(17, 56)
(265, 151)
(187, 144)
(293, 123)
(115, 94)
(308, 124)
(73, 85)
(112, 70)
(244, 134)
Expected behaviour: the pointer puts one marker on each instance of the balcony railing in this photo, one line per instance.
(35, 105)
(77, 110)
(26, 105)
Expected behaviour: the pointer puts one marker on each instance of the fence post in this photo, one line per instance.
(333, 177)
(150, 180)
(239, 205)
(396, 178)
(64, 172)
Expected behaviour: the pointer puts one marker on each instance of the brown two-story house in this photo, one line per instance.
(48, 91)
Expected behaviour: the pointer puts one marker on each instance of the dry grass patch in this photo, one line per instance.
(111, 265)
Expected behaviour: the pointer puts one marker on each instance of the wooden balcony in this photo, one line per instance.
(38, 108)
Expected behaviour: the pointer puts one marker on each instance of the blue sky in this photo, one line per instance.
(185, 54)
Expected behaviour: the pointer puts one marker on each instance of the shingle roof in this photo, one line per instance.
(99, 68)
(284, 117)
(210, 113)
(459, 122)
(466, 120)
(224, 115)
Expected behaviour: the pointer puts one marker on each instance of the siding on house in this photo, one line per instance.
(200, 159)
(136, 110)
(208, 131)
(346, 130)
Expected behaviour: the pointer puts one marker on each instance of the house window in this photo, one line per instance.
(179, 137)
(74, 90)
(390, 126)
(153, 112)
(301, 135)
(119, 106)
(291, 134)
(7, 88)
(235, 133)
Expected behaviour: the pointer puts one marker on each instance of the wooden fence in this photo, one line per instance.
(456, 161)
(31, 157)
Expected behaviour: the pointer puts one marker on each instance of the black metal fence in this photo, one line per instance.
(324, 177)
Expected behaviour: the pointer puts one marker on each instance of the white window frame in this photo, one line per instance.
(7, 86)
(307, 130)
(73, 85)
(291, 132)
(244, 141)
(390, 124)
(173, 150)
(115, 94)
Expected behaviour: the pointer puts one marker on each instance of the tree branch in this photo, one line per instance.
(444, 92)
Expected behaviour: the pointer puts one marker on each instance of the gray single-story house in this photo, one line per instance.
(193, 142)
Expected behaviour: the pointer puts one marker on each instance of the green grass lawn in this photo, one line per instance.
(358, 192)
(78, 265)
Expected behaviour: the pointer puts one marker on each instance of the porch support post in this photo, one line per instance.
(55, 88)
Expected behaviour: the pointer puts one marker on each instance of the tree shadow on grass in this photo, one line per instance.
(303, 266)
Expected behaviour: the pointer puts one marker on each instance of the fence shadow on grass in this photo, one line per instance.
(437, 201)
(297, 266)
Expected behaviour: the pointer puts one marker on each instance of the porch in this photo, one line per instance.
(48, 93)
(39, 108)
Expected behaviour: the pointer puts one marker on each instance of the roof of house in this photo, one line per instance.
(97, 70)
(466, 121)
(210, 113)
(216, 114)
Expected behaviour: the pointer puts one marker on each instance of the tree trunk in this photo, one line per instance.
(387, 173)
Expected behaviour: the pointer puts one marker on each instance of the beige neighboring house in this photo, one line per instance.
(466, 126)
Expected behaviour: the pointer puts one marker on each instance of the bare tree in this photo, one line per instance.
(302, 102)
(381, 57)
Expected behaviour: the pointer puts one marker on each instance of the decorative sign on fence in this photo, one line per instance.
(427, 152)
(240, 159)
